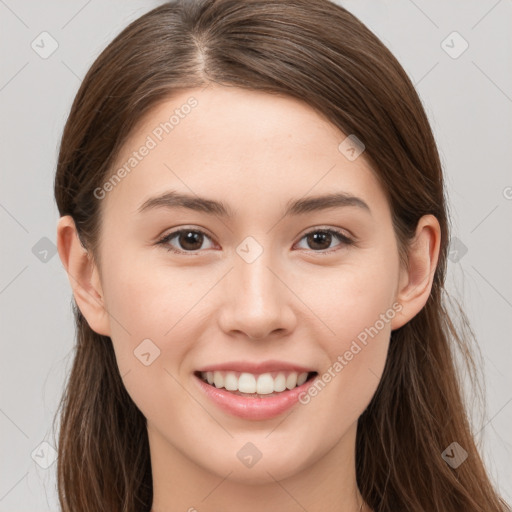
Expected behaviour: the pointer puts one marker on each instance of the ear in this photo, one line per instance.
(415, 282)
(83, 276)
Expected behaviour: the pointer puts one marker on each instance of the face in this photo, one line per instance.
(254, 292)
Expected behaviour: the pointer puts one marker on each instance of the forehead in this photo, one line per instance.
(245, 146)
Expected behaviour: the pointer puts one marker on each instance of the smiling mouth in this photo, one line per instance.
(249, 385)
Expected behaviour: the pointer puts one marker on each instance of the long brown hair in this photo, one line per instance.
(316, 51)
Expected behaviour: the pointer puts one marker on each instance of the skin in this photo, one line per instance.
(254, 152)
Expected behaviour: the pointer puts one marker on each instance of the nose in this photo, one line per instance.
(256, 301)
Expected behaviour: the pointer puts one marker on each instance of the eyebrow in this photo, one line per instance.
(173, 199)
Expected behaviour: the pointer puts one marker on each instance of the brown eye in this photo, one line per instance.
(186, 240)
(320, 240)
(190, 240)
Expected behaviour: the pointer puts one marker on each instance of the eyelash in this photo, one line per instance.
(344, 239)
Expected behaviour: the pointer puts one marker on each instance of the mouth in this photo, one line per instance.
(252, 385)
(254, 392)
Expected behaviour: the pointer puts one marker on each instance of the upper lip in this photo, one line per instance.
(255, 368)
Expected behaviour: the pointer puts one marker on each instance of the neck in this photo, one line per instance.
(327, 484)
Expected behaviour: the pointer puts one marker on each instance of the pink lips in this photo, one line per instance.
(254, 408)
(256, 368)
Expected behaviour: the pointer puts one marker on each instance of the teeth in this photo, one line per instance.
(291, 380)
(301, 379)
(263, 384)
(280, 382)
(246, 383)
(231, 382)
(218, 379)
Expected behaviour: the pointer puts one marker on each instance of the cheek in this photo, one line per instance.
(151, 315)
(148, 294)
(146, 304)
(351, 297)
(356, 307)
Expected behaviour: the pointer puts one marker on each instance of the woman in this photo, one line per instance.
(228, 357)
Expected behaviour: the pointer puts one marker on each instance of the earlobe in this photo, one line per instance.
(416, 281)
(83, 276)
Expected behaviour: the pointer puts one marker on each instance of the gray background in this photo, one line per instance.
(468, 98)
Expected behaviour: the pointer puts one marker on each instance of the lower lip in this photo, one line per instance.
(252, 408)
